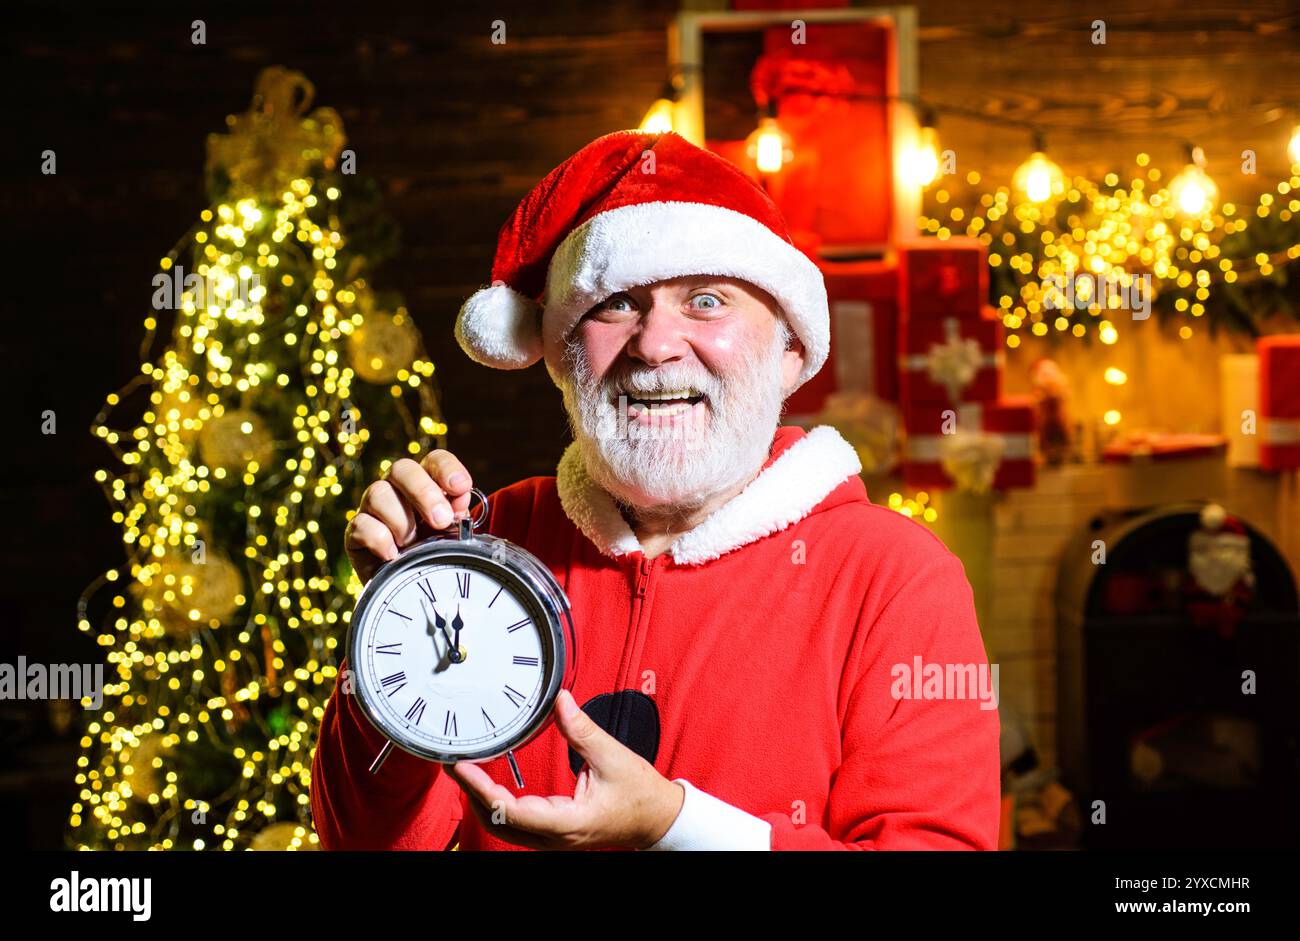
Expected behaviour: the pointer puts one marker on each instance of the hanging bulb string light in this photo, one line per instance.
(1193, 192)
(661, 116)
(769, 146)
(922, 162)
(1038, 178)
(1173, 234)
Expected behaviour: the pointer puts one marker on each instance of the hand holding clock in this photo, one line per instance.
(434, 491)
(620, 800)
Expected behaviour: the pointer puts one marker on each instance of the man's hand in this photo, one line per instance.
(434, 492)
(620, 800)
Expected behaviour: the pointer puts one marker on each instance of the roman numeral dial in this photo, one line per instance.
(454, 661)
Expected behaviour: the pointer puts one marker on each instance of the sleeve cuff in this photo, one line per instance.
(707, 823)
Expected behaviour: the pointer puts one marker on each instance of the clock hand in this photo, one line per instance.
(457, 624)
(440, 624)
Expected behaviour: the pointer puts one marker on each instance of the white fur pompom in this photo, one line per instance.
(501, 328)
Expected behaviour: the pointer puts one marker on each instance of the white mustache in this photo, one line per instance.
(657, 383)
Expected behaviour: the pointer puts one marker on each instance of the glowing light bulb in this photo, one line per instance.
(769, 146)
(1293, 148)
(1192, 191)
(1112, 417)
(659, 119)
(1116, 377)
(921, 163)
(1038, 178)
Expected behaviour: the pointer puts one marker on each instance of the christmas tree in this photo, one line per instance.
(287, 384)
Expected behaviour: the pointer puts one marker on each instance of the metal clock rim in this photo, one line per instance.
(540, 590)
(537, 594)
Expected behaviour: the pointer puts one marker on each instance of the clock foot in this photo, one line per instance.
(514, 769)
(379, 759)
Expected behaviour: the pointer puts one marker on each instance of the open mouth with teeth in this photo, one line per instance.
(669, 403)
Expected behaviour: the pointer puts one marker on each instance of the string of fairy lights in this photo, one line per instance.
(1064, 251)
(1115, 229)
(205, 646)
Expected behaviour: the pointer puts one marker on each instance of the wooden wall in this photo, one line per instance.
(1225, 76)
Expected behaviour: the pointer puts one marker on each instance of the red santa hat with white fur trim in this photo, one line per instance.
(632, 208)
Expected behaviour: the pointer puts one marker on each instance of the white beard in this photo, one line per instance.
(683, 465)
(1218, 562)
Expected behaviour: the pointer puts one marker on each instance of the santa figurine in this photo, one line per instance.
(1220, 583)
(1051, 390)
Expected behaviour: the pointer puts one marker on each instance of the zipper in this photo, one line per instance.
(644, 568)
(643, 577)
(644, 573)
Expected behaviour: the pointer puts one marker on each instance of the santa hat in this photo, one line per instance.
(632, 208)
(1216, 520)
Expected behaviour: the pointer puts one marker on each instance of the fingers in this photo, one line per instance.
(382, 502)
(486, 798)
(478, 783)
(530, 820)
(368, 543)
(588, 739)
(450, 474)
(436, 490)
(419, 489)
(506, 832)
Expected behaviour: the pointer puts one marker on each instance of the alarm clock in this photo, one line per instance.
(459, 647)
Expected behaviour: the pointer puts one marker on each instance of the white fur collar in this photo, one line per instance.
(784, 493)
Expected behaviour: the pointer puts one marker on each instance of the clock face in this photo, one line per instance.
(454, 657)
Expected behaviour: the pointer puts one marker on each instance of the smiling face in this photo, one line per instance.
(674, 389)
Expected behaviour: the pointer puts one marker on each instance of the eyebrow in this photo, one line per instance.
(722, 287)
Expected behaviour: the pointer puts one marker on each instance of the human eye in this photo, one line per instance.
(614, 306)
(706, 301)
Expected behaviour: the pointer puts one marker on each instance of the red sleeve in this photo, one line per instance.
(915, 773)
(409, 805)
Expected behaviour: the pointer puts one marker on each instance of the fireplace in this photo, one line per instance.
(1152, 716)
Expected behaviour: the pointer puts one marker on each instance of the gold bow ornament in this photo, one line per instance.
(276, 141)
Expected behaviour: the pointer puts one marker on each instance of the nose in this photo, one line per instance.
(660, 336)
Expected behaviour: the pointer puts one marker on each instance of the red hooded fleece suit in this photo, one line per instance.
(756, 661)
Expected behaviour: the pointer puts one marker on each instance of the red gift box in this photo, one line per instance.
(943, 277)
(863, 298)
(1279, 401)
(1012, 420)
(950, 359)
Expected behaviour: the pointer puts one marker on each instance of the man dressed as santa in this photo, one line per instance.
(742, 609)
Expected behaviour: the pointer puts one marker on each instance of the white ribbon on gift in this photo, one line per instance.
(955, 362)
(970, 457)
(927, 449)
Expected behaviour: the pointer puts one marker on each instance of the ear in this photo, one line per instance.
(792, 362)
